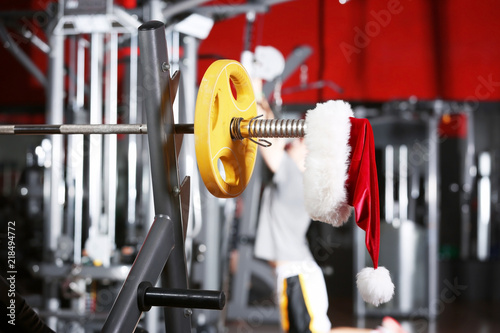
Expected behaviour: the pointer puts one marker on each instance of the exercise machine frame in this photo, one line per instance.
(162, 253)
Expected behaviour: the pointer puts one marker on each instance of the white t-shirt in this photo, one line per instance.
(283, 219)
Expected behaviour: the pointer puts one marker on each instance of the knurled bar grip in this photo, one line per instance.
(240, 128)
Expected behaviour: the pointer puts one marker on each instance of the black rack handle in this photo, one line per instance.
(148, 296)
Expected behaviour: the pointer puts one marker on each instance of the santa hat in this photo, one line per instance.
(340, 173)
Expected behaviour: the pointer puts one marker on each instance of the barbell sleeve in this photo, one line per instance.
(267, 128)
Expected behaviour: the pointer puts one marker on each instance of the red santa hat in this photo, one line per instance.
(341, 173)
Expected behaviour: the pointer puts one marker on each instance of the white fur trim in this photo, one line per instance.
(375, 285)
(327, 134)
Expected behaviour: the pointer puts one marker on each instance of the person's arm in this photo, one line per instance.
(272, 155)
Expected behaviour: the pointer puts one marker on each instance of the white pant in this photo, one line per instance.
(313, 288)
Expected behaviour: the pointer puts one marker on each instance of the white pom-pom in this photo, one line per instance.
(375, 285)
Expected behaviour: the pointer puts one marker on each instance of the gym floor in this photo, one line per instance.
(456, 317)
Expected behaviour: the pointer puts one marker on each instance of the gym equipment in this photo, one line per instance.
(219, 133)
(74, 129)
(225, 127)
(213, 141)
(162, 254)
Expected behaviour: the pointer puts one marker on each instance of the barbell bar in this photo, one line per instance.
(239, 128)
(229, 185)
(73, 129)
(226, 127)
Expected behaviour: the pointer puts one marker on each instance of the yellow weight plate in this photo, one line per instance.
(225, 92)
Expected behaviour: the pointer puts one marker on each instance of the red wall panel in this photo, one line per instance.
(470, 34)
(375, 50)
(381, 50)
(399, 61)
(286, 26)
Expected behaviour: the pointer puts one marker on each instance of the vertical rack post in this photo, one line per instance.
(433, 184)
(53, 175)
(158, 94)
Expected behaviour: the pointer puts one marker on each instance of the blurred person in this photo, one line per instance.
(281, 240)
(281, 237)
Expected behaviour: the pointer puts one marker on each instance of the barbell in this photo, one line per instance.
(226, 127)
